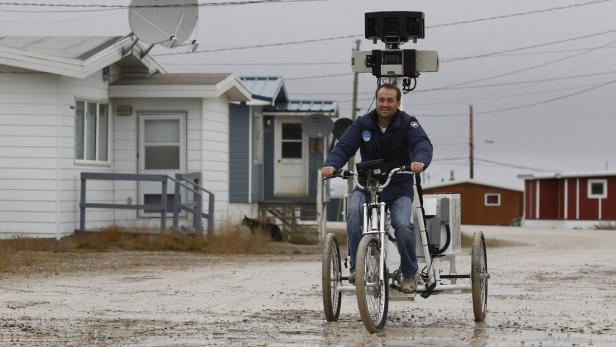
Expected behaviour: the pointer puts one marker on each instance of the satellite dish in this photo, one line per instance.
(317, 125)
(340, 126)
(158, 22)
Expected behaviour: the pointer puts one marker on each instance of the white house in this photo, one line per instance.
(96, 104)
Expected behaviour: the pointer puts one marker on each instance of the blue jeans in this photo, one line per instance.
(401, 213)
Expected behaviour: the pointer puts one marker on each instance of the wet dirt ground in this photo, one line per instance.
(547, 288)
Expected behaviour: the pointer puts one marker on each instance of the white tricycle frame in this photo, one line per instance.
(372, 277)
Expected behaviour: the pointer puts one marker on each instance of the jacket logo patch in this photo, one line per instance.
(414, 124)
(366, 135)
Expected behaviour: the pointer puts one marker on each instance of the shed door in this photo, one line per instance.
(162, 150)
(290, 159)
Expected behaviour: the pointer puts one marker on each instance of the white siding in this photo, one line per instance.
(215, 154)
(28, 147)
(92, 88)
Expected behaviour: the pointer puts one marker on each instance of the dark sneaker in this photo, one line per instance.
(409, 285)
(352, 278)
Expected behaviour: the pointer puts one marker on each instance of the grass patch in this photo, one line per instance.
(19, 253)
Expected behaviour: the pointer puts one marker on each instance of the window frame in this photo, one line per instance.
(257, 155)
(485, 199)
(589, 193)
(284, 141)
(96, 161)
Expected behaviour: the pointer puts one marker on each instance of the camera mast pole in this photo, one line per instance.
(351, 163)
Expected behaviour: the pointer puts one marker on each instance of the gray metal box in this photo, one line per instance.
(442, 218)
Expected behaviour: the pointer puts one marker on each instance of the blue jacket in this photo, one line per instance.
(403, 142)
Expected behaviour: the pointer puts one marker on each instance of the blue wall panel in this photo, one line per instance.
(238, 153)
(268, 158)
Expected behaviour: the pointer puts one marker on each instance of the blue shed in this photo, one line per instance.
(273, 164)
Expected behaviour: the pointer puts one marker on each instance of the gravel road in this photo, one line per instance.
(547, 288)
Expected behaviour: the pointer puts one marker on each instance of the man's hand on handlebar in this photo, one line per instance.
(328, 171)
(417, 167)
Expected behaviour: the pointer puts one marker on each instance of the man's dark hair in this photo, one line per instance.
(389, 86)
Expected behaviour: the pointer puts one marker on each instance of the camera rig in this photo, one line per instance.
(395, 28)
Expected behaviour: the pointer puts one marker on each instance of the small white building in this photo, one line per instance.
(96, 104)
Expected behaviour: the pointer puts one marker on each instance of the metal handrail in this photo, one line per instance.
(103, 176)
(197, 224)
(180, 181)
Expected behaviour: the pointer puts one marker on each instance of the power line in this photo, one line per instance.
(58, 20)
(528, 68)
(559, 8)
(486, 86)
(551, 51)
(538, 45)
(504, 84)
(498, 163)
(317, 76)
(307, 63)
(113, 7)
(605, 84)
(264, 45)
(518, 14)
(474, 100)
(544, 44)
(513, 165)
(583, 91)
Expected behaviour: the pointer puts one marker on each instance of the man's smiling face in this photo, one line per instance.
(387, 103)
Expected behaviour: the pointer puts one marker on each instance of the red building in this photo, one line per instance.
(483, 203)
(569, 200)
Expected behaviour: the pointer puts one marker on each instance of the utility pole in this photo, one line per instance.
(471, 145)
(351, 162)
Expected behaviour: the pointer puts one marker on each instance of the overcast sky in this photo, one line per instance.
(552, 108)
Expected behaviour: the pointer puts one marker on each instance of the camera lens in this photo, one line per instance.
(392, 58)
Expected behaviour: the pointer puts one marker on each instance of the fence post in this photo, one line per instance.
(197, 222)
(210, 215)
(82, 201)
(163, 198)
(320, 207)
(176, 203)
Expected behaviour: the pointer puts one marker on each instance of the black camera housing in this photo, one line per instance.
(394, 27)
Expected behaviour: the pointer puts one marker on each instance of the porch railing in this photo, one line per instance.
(189, 182)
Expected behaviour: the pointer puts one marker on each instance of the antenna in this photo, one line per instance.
(156, 22)
(317, 126)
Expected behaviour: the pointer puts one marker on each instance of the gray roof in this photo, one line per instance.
(192, 79)
(307, 106)
(267, 88)
(72, 47)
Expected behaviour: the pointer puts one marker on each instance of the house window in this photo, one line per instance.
(292, 141)
(91, 131)
(492, 199)
(597, 189)
(257, 154)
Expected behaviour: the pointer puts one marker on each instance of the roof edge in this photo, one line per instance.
(452, 183)
(566, 175)
(77, 68)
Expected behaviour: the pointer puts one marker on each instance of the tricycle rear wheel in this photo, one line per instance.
(331, 278)
(479, 276)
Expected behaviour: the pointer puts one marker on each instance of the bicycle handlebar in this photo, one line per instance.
(346, 174)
